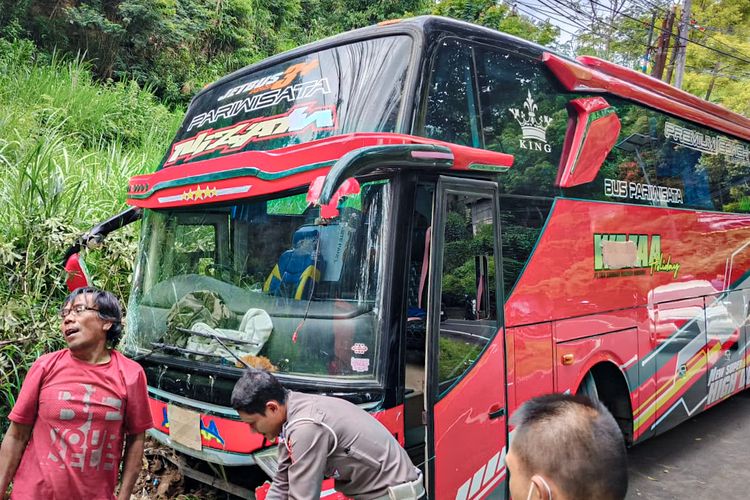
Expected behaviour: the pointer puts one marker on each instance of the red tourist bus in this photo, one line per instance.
(437, 222)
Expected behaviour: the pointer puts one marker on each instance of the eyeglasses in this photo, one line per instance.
(77, 309)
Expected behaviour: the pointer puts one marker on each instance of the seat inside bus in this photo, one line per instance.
(298, 268)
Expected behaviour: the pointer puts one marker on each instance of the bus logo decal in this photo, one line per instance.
(724, 380)
(533, 127)
(208, 432)
(275, 81)
(255, 102)
(301, 118)
(211, 431)
(615, 188)
(734, 151)
(621, 254)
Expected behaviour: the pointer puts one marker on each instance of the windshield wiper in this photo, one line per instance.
(155, 347)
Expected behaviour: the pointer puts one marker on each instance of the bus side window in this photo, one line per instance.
(521, 114)
(451, 112)
(469, 295)
(523, 218)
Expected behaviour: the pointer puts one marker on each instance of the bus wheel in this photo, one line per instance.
(588, 387)
(606, 383)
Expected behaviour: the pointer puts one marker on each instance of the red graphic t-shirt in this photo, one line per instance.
(80, 413)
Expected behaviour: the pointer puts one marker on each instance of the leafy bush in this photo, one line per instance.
(67, 149)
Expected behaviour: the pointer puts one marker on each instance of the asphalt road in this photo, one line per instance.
(704, 457)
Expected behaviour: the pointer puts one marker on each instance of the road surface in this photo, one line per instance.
(704, 457)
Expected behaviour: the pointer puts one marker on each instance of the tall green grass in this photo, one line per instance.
(68, 146)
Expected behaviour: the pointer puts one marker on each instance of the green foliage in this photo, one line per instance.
(497, 16)
(322, 18)
(67, 148)
(455, 357)
(172, 46)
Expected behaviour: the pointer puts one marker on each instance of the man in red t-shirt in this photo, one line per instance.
(76, 409)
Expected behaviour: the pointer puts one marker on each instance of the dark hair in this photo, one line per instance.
(573, 441)
(108, 309)
(256, 388)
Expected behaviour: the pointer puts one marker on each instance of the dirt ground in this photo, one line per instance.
(160, 478)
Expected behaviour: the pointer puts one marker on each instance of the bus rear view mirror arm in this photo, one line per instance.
(371, 158)
(96, 234)
(73, 263)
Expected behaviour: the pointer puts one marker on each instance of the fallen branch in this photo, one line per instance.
(22, 340)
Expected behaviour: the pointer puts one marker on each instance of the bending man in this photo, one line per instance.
(324, 436)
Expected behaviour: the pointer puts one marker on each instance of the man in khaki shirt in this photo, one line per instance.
(324, 437)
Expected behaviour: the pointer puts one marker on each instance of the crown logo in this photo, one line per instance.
(532, 127)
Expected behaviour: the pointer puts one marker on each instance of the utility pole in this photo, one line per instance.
(662, 45)
(682, 42)
(649, 48)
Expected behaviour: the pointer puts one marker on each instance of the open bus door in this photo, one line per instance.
(466, 395)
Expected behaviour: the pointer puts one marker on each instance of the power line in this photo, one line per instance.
(687, 39)
(564, 19)
(540, 19)
(709, 36)
(577, 10)
(530, 14)
(734, 76)
(565, 16)
(650, 4)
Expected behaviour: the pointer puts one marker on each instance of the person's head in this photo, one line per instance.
(566, 447)
(90, 318)
(261, 402)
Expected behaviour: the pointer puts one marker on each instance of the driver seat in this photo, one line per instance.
(298, 269)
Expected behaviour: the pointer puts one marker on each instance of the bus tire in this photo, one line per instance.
(606, 383)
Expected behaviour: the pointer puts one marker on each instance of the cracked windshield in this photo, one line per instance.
(264, 283)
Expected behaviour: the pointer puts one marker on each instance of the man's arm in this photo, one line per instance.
(280, 486)
(132, 465)
(310, 444)
(14, 444)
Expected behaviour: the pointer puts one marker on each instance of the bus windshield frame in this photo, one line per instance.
(281, 288)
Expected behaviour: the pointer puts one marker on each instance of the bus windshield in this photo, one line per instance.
(350, 88)
(266, 283)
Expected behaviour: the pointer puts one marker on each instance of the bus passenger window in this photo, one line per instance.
(451, 113)
(524, 115)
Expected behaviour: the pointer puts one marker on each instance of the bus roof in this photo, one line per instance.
(668, 98)
(419, 27)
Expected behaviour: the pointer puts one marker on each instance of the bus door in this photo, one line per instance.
(465, 367)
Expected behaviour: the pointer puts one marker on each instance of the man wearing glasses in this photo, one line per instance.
(76, 409)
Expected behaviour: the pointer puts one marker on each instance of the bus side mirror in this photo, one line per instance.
(330, 210)
(77, 274)
(593, 129)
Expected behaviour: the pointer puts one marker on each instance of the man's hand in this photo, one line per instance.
(133, 462)
(11, 452)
